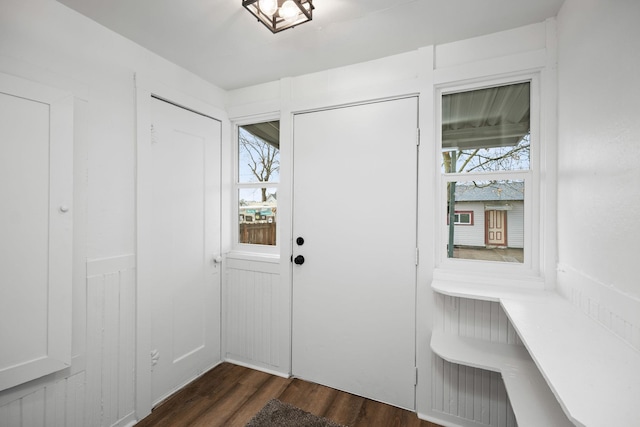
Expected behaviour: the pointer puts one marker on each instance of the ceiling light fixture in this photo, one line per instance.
(278, 15)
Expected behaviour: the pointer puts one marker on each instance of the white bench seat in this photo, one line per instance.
(593, 374)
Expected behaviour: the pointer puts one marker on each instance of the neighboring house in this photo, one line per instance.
(262, 212)
(489, 215)
(259, 211)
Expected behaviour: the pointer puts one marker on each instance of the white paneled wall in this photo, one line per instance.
(470, 393)
(475, 319)
(98, 389)
(253, 310)
(608, 306)
(473, 394)
(58, 404)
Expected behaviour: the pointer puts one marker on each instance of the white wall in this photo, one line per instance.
(599, 151)
(598, 146)
(599, 140)
(523, 50)
(50, 42)
(43, 41)
(470, 235)
(515, 225)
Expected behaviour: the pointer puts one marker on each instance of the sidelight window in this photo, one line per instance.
(258, 174)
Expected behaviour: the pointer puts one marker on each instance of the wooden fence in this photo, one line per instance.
(258, 233)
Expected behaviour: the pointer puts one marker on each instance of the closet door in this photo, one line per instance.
(354, 272)
(36, 187)
(179, 249)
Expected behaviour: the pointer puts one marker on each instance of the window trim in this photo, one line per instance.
(533, 230)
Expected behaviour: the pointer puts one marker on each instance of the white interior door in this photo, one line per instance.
(355, 207)
(182, 242)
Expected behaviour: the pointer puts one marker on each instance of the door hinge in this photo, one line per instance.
(417, 256)
(416, 379)
(418, 136)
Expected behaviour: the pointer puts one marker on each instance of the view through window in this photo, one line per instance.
(486, 139)
(257, 182)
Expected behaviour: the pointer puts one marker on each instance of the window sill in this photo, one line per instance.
(486, 286)
(253, 256)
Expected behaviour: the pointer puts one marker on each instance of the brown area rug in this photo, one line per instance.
(279, 414)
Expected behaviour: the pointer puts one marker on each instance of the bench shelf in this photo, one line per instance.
(593, 374)
(532, 401)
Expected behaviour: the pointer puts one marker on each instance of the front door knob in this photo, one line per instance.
(299, 260)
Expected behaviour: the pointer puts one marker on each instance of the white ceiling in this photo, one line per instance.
(223, 43)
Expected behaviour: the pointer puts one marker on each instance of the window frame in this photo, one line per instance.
(531, 178)
(237, 186)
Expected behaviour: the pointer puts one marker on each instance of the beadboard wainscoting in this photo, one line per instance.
(98, 389)
(472, 394)
(58, 403)
(608, 306)
(254, 314)
(111, 308)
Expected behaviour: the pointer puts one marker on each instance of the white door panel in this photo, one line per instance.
(184, 219)
(355, 207)
(36, 222)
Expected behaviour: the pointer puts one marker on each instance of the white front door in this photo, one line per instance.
(355, 208)
(182, 241)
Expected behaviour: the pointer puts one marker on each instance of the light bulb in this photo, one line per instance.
(268, 7)
(289, 11)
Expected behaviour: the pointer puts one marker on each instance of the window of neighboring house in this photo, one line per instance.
(463, 218)
(258, 175)
(486, 161)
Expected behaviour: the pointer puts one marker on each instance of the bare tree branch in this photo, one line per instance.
(489, 159)
(263, 158)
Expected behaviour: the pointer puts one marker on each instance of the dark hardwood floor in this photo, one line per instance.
(230, 395)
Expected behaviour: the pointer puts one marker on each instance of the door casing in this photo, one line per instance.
(146, 87)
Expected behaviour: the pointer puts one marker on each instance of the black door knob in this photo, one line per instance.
(300, 241)
(299, 260)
